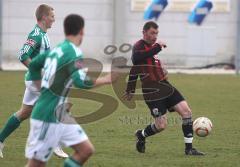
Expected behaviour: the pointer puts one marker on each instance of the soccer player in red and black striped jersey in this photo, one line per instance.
(158, 93)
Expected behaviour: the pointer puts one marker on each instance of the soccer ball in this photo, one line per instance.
(202, 126)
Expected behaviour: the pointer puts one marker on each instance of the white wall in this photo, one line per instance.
(179, 34)
(101, 17)
(18, 21)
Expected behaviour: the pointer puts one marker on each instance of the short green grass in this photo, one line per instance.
(214, 96)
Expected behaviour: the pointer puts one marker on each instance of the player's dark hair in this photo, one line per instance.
(73, 23)
(150, 24)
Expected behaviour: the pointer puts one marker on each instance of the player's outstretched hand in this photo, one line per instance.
(111, 77)
(162, 44)
(114, 76)
(127, 96)
(107, 79)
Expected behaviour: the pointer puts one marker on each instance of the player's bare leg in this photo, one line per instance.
(185, 112)
(35, 163)
(24, 113)
(82, 153)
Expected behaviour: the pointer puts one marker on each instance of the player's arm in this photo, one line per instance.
(78, 74)
(28, 48)
(106, 79)
(36, 65)
(139, 53)
(26, 62)
(131, 85)
(81, 80)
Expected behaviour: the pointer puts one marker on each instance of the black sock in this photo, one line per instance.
(188, 146)
(188, 132)
(150, 130)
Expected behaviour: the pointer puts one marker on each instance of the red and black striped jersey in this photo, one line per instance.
(146, 65)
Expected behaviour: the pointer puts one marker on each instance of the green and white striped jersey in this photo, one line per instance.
(37, 43)
(62, 67)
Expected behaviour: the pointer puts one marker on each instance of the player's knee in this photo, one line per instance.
(86, 151)
(183, 109)
(90, 150)
(24, 113)
(187, 113)
(161, 125)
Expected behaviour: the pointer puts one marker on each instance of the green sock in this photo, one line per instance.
(70, 162)
(12, 124)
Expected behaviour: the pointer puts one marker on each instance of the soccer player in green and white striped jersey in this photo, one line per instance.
(62, 67)
(36, 43)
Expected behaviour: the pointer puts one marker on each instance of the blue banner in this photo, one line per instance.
(155, 9)
(201, 10)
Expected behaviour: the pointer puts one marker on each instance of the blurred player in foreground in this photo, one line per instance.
(37, 42)
(50, 124)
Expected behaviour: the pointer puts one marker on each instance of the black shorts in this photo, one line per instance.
(160, 106)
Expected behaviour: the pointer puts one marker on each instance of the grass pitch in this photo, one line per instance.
(214, 96)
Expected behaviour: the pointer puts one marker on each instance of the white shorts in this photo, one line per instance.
(31, 94)
(44, 137)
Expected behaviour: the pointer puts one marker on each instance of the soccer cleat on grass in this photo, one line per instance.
(140, 143)
(60, 153)
(1, 149)
(193, 152)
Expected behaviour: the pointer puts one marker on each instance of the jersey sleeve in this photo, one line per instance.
(140, 54)
(81, 80)
(132, 79)
(77, 70)
(32, 43)
(36, 65)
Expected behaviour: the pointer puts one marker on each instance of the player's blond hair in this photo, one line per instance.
(42, 10)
